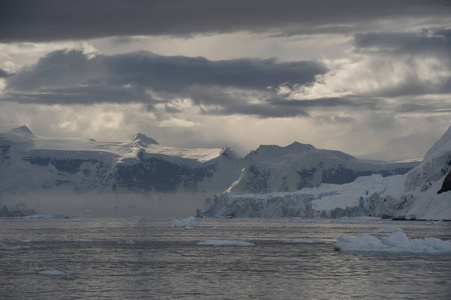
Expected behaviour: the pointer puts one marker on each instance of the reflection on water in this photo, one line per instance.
(140, 258)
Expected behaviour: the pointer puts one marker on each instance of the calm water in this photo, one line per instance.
(166, 263)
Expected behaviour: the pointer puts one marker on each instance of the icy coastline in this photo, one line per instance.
(419, 194)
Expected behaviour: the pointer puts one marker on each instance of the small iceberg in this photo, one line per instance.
(388, 229)
(52, 273)
(14, 247)
(224, 243)
(397, 242)
(83, 240)
(126, 242)
(299, 242)
(188, 223)
(51, 216)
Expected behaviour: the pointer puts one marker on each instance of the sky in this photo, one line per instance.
(369, 78)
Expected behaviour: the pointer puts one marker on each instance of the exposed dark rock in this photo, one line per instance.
(446, 186)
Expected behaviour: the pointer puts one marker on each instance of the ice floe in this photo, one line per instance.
(224, 243)
(126, 242)
(397, 242)
(188, 223)
(388, 229)
(19, 247)
(52, 273)
(52, 216)
(83, 240)
(300, 242)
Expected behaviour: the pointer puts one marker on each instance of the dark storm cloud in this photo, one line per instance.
(4, 74)
(366, 103)
(70, 77)
(430, 41)
(48, 20)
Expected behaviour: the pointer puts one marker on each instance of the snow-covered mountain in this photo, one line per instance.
(79, 175)
(272, 168)
(422, 193)
(82, 175)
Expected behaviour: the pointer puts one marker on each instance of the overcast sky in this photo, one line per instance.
(370, 78)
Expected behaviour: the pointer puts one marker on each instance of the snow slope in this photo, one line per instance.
(413, 195)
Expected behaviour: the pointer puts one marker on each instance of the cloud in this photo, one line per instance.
(385, 65)
(4, 74)
(232, 86)
(48, 20)
(436, 41)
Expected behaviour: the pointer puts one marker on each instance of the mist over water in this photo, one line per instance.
(142, 258)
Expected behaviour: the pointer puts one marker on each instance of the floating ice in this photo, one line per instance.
(224, 243)
(52, 216)
(299, 241)
(53, 273)
(126, 242)
(14, 247)
(83, 240)
(218, 226)
(388, 229)
(397, 242)
(188, 223)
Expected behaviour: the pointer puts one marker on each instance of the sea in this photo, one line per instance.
(144, 258)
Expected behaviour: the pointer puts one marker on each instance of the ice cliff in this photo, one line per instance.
(422, 193)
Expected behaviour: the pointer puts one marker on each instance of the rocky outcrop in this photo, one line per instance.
(446, 186)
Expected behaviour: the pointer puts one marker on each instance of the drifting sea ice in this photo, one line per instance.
(53, 273)
(388, 229)
(224, 243)
(83, 240)
(125, 242)
(299, 242)
(397, 242)
(14, 247)
(188, 223)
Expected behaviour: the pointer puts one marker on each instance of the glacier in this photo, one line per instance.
(83, 176)
(422, 193)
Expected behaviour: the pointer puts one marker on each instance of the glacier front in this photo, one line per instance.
(422, 193)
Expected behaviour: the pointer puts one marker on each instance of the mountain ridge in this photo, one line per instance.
(37, 167)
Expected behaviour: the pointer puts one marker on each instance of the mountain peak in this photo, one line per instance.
(143, 140)
(443, 144)
(229, 153)
(22, 130)
(299, 147)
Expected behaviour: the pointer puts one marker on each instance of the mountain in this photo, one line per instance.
(85, 176)
(422, 193)
(272, 168)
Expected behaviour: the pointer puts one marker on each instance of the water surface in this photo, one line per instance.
(142, 258)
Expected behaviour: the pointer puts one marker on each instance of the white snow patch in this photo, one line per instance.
(188, 223)
(224, 243)
(397, 242)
